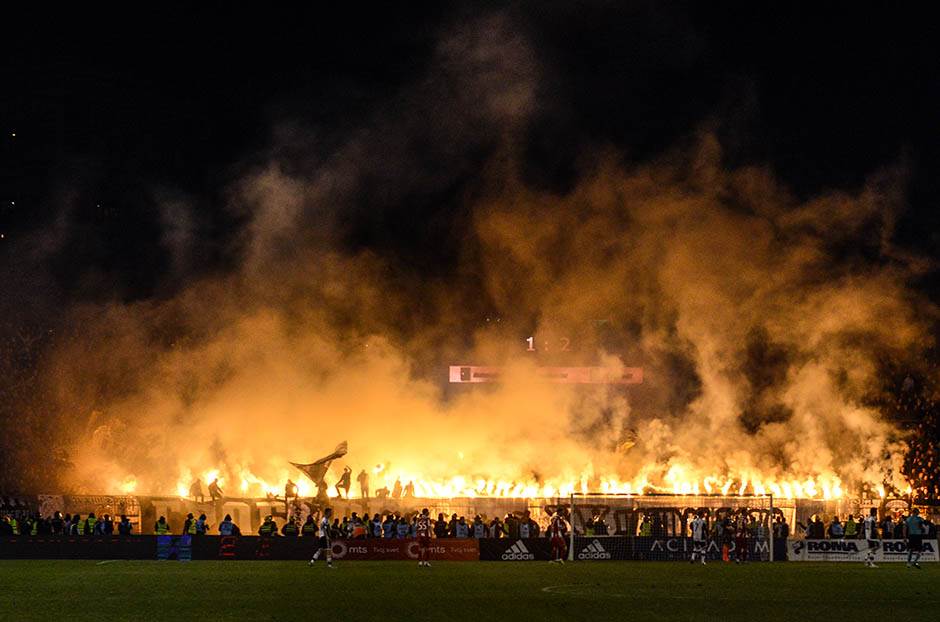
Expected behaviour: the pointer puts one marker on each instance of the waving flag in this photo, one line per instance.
(317, 470)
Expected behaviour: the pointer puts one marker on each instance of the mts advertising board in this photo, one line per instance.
(443, 549)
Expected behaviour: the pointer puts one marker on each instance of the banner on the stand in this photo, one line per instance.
(856, 551)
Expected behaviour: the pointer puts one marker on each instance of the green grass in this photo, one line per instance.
(388, 591)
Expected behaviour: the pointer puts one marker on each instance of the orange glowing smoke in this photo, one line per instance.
(760, 340)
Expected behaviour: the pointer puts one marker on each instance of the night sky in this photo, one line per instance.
(108, 118)
(111, 115)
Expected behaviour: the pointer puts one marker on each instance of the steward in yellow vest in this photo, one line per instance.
(310, 527)
(268, 528)
(851, 527)
(290, 529)
(160, 527)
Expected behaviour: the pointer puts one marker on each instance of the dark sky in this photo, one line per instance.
(111, 111)
(117, 114)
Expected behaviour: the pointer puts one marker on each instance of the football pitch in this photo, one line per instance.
(388, 591)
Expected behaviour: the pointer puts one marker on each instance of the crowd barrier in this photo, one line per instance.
(599, 548)
(648, 548)
(225, 547)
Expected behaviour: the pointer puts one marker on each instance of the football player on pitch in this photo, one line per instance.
(870, 533)
(324, 544)
(699, 537)
(741, 539)
(423, 531)
(914, 530)
(556, 531)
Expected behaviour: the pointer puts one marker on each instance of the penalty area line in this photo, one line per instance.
(561, 590)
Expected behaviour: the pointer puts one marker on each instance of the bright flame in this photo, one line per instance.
(678, 478)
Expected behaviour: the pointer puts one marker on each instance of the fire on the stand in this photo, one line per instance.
(403, 484)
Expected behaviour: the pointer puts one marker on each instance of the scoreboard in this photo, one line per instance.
(557, 352)
(474, 374)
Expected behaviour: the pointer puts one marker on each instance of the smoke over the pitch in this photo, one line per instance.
(760, 320)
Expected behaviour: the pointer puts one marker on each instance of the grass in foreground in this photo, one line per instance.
(388, 591)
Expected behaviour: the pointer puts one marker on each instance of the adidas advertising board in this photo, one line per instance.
(515, 550)
(594, 550)
(603, 548)
(855, 551)
(517, 553)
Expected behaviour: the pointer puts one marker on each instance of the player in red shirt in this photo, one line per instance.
(556, 531)
(423, 531)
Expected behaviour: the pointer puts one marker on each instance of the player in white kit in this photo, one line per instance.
(699, 537)
(870, 533)
(324, 544)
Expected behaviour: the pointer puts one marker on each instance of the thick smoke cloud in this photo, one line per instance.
(759, 319)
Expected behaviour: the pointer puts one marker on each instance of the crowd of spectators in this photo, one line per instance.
(397, 525)
(389, 525)
(891, 527)
(913, 403)
(922, 462)
(14, 507)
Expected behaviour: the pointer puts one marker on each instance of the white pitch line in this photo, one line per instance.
(557, 589)
(108, 561)
(551, 588)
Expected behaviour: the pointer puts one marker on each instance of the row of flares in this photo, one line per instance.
(676, 480)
